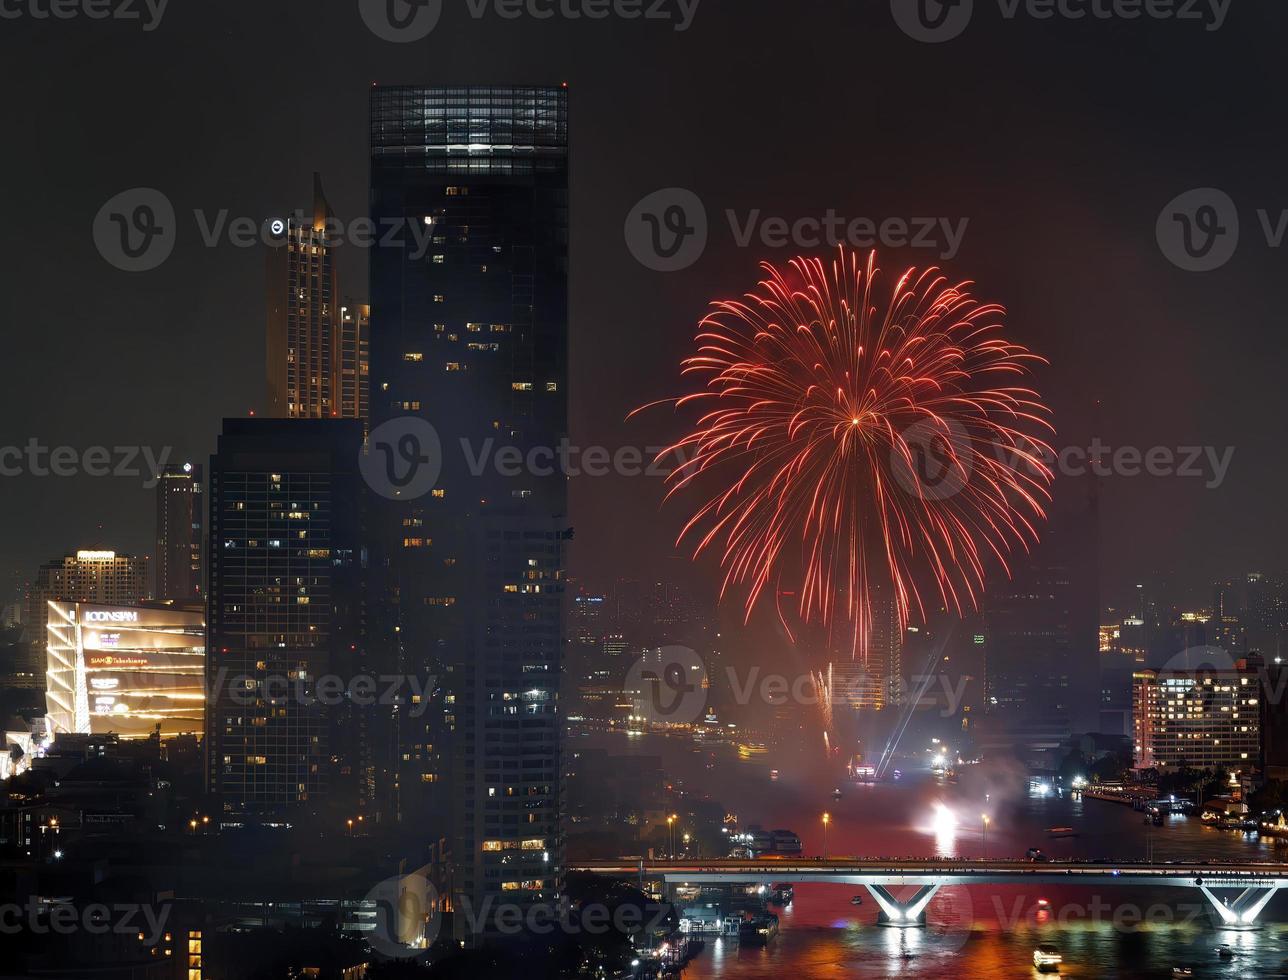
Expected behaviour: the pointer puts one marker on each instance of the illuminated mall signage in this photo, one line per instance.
(112, 616)
(116, 660)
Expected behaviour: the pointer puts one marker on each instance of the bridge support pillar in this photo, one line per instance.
(906, 914)
(1242, 912)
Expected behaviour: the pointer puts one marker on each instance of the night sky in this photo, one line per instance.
(1061, 141)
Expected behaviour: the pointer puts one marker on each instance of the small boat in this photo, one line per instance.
(857, 900)
(1225, 952)
(1046, 958)
(1043, 904)
(1182, 971)
(836, 794)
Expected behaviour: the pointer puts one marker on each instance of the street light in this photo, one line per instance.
(983, 819)
(670, 836)
(827, 819)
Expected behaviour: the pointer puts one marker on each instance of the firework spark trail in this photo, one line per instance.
(824, 687)
(821, 406)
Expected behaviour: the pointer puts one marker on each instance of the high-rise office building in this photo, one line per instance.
(179, 534)
(86, 576)
(472, 338)
(1199, 717)
(316, 347)
(286, 610)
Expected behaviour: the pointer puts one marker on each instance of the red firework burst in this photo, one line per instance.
(850, 441)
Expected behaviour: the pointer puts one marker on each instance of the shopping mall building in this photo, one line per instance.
(131, 670)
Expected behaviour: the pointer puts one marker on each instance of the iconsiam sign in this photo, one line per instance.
(130, 672)
(856, 435)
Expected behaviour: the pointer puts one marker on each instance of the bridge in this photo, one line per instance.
(1255, 884)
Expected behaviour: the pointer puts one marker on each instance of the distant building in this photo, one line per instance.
(316, 353)
(355, 358)
(1199, 717)
(287, 513)
(133, 671)
(179, 534)
(21, 666)
(86, 576)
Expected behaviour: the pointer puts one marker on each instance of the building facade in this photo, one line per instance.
(286, 612)
(86, 576)
(472, 338)
(180, 523)
(316, 352)
(1204, 717)
(133, 671)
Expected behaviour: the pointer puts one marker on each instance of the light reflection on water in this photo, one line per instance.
(982, 931)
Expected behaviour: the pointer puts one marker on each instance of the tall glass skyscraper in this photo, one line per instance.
(471, 337)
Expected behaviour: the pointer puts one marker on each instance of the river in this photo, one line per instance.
(986, 931)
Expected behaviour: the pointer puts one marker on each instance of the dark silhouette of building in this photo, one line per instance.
(286, 620)
(179, 534)
(472, 339)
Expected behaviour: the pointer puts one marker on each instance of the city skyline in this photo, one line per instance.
(548, 465)
(1150, 392)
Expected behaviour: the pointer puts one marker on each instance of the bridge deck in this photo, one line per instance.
(885, 871)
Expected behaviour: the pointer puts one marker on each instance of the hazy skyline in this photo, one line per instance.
(1046, 170)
